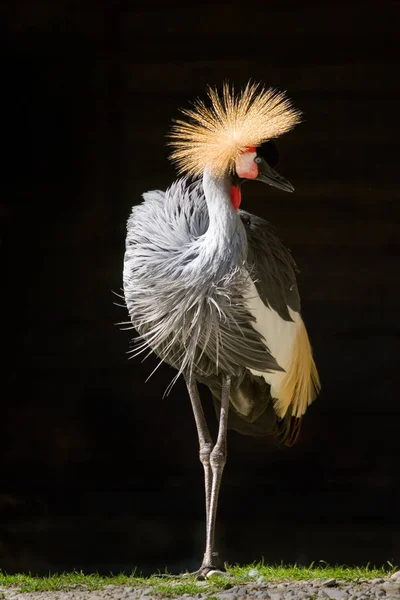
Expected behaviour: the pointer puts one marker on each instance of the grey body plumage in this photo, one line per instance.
(189, 308)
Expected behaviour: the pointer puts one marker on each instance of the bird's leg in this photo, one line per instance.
(217, 461)
(205, 441)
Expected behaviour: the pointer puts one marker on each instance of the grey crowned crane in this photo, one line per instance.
(212, 291)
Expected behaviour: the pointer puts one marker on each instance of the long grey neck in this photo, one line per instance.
(225, 240)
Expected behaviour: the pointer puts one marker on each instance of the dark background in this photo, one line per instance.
(97, 471)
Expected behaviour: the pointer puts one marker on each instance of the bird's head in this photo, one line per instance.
(257, 164)
(233, 135)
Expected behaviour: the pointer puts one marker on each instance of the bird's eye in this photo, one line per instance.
(269, 152)
(257, 160)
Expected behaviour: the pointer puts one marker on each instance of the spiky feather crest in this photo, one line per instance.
(214, 136)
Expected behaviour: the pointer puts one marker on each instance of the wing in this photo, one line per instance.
(272, 267)
(273, 300)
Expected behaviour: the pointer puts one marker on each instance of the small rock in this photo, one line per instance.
(336, 594)
(391, 587)
(329, 582)
(212, 573)
(147, 591)
(227, 595)
(253, 572)
(395, 576)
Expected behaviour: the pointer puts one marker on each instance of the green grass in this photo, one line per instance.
(178, 585)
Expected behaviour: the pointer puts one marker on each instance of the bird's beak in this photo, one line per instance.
(267, 174)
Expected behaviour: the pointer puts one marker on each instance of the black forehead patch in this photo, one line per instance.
(269, 152)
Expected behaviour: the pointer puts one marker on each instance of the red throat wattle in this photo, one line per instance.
(236, 196)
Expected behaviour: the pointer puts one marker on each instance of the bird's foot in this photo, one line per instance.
(206, 572)
(209, 569)
(212, 567)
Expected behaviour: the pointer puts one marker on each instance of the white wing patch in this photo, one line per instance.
(288, 343)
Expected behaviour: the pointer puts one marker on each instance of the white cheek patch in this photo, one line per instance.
(245, 165)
